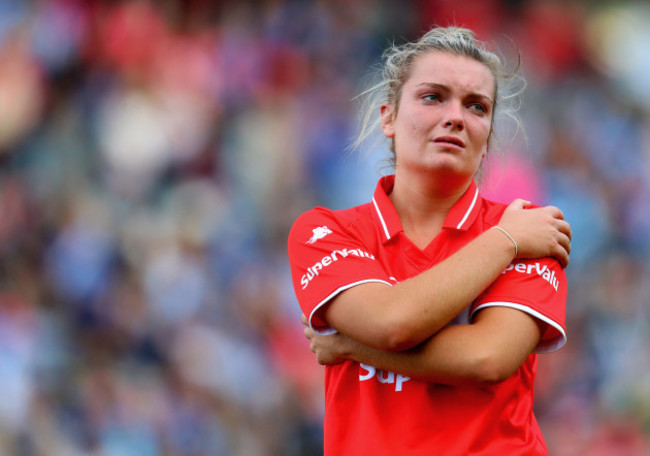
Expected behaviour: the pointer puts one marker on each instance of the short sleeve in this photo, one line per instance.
(326, 259)
(537, 287)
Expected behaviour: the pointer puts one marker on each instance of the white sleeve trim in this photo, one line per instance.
(329, 331)
(544, 346)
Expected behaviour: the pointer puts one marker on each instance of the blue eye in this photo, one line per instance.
(431, 97)
(478, 107)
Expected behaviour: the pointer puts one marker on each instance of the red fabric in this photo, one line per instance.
(369, 411)
(537, 287)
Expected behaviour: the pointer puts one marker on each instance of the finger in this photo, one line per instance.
(563, 250)
(519, 203)
(303, 320)
(556, 212)
(565, 242)
(564, 228)
(565, 261)
(562, 257)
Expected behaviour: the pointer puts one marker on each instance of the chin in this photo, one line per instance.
(441, 165)
(449, 164)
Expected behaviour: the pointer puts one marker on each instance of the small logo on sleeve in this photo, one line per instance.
(333, 257)
(319, 233)
(541, 270)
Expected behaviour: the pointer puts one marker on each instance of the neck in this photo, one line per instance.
(423, 205)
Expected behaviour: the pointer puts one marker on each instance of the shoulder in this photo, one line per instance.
(320, 221)
(491, 211)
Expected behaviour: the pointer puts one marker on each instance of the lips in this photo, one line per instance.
(450, 140)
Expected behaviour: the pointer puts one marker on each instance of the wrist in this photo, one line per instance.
(354, 350)
(511, 239)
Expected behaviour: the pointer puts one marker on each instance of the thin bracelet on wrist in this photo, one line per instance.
(510, 237)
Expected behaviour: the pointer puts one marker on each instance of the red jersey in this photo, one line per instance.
(370, 411)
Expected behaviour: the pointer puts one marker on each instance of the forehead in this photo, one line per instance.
(457, 72)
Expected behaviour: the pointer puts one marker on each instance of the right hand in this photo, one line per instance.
(539, 232)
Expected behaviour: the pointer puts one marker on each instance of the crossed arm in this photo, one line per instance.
(489, 350)
(403, 328)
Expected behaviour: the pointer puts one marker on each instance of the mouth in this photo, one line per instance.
(450, 140)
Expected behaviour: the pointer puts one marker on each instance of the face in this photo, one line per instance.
(443, 118)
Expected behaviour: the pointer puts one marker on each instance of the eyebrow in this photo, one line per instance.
(442, 87)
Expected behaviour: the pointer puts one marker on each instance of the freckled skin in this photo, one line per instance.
(445, 96)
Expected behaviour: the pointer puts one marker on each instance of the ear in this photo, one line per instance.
(387, 119)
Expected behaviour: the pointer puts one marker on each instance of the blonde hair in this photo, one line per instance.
(397, 62)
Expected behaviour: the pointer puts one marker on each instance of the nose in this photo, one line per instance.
(455, 124)
(454, 117)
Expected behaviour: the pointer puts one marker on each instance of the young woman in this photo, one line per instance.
(380, 283)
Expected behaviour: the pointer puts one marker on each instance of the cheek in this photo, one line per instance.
(480, 133)
(412, 118)
(414, 127)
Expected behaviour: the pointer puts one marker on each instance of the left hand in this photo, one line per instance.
(331, 349)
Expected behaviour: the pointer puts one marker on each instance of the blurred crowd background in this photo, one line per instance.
(154, 154)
